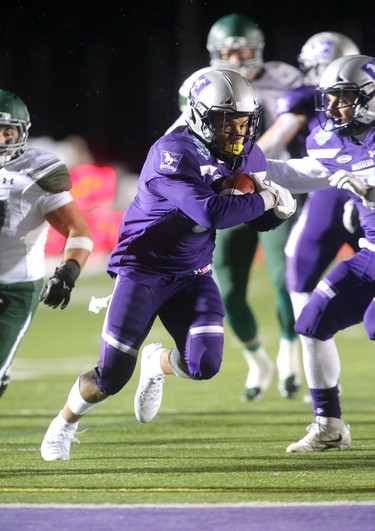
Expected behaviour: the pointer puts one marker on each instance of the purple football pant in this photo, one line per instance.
(316, 238)
(344, 297)
(190, 308)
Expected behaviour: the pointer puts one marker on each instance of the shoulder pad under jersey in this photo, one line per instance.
(44, 168)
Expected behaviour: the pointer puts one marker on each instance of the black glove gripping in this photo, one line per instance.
(58, 288)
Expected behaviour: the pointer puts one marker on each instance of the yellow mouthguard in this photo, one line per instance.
(234, 148)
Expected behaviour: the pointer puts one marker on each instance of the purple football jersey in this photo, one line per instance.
(340, 153)
(169, 228)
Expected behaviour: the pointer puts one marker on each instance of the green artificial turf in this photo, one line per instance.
(205, 445)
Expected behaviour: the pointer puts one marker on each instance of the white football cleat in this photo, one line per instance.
(325, 433)
(260, 375)
(57, 441)
(149, 394)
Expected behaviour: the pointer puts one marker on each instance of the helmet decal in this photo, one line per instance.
(369, 68)
(201, 83)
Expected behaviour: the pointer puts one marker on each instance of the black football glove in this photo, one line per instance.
(58, 288)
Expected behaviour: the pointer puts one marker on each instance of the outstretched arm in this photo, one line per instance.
(298, 175)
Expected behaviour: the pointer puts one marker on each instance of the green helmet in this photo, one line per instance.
(13, 112)
(236, 32)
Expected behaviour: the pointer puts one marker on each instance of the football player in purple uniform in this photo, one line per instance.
(328, 217)
(236, 42)
(341, 151)
(162, 262)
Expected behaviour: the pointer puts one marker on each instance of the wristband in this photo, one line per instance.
(79, 242)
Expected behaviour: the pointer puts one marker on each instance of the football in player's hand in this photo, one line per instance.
(236, 184)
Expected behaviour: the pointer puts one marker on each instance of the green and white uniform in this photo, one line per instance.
(31, 186)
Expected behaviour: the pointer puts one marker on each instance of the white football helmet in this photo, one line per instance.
(228, 93)
(320, 50)
(236, 32)
(353, 73)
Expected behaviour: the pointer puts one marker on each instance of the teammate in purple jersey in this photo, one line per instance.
(341, 151)
(162, 262)
(328, 218)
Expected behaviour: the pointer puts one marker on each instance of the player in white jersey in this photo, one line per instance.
(236, 42)
(34, 193)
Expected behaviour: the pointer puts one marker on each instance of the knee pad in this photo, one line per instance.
(205, 352)
(311, 323)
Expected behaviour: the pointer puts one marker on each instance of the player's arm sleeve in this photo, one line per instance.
(49, 202)
(299, 176)
(198, 201)
(49, 172)
(56, 181)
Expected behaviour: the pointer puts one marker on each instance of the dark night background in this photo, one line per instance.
(110, 71)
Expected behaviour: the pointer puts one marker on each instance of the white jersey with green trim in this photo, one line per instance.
(23, 205)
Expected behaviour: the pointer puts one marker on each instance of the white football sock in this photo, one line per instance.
(321, 362)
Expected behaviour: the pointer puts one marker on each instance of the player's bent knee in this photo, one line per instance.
(318, 318)
(209, 366)
(205, 355)
(311, 324)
